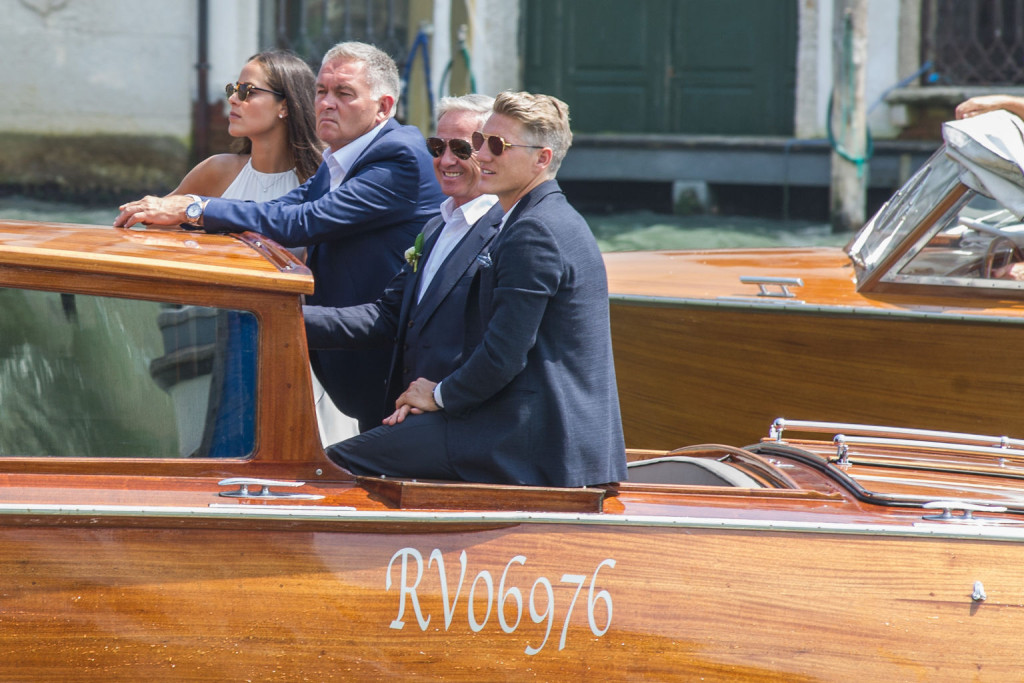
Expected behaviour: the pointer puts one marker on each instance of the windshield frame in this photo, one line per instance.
(927, 209)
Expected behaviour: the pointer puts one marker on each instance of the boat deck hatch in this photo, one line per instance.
(412, 494)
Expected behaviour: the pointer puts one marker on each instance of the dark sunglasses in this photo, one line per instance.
(459, 147)
(495, 143)
(243, 90)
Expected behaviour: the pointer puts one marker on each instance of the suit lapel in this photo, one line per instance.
(532, 198)
(431, 232)
(358, 163)
(458, 262)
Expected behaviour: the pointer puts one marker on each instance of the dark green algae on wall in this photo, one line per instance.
(90, 168)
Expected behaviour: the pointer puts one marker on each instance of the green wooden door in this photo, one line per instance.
(666, 66)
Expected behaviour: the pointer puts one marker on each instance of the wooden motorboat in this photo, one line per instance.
(176, 517)
(913, 323)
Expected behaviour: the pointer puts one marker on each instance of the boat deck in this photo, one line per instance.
(784, 481)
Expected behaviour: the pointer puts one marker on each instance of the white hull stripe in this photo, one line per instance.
(1005, 530)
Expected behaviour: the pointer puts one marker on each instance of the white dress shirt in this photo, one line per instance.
(457, 222)
(341, 161)
(469, 213)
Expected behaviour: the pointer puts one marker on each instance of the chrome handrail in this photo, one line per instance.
(842, 441)
(1001, 444)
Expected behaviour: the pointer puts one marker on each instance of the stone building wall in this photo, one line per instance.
(98, 94)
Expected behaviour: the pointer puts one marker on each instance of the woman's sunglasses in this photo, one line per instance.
(495, 143)
(459, 147)
(243, 90)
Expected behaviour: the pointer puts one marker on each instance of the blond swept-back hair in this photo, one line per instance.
(381, 71)
(545, 120)
(481, 105)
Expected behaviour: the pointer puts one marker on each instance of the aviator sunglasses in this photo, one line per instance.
(243, 90)
(459, 147)
(495, 143)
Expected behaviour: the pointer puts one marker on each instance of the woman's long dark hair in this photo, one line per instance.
(287, 73)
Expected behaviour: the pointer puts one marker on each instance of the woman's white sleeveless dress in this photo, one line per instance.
(253, 185)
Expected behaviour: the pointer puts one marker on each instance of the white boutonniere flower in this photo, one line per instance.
(413, 253)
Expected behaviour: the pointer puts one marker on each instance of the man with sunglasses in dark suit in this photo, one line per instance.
(534, 400)
(421, 313)
(357, 215)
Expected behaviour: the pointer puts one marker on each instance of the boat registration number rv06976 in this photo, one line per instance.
(506, 602)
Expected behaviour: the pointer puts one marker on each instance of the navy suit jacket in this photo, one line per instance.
(357, 235)
(427, 338)
(535, 402)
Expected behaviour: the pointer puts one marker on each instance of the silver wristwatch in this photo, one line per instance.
(194, 211)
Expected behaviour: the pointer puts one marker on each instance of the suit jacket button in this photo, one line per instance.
(411, 323)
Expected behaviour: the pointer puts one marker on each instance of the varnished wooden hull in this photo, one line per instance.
(665, 600)
(691, 374)
(784, 561)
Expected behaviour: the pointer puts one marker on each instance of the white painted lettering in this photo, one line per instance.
(449, 608)
(509, 599)
(512, 592)
(473, 623)
(407, 590)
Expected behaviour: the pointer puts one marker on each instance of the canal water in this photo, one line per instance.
(614, 232)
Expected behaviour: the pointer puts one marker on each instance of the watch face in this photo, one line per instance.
(194, 211)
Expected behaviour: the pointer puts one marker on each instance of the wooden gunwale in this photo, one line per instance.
(929, 312)
(301, 518)
(344, 502)
(129, 267)
(356, 508)
(248, 261)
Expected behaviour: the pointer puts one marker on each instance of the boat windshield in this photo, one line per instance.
(94, 376)
(904, 211)
(977, 243)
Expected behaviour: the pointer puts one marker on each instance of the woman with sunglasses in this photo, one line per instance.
(272, 118)
(276, 150)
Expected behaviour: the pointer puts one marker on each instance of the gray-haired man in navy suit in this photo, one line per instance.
(534, 400)
(421, 313)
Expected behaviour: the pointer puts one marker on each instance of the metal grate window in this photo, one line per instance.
(311, 27)
(974, 42)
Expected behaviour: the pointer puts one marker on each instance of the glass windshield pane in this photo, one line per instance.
(90, 376)
(904, 211)
(977, 243)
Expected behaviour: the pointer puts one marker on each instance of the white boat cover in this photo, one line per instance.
(990, 151)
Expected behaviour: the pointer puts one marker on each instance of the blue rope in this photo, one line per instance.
(419, 44)
(465, 58)
(925, 68)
